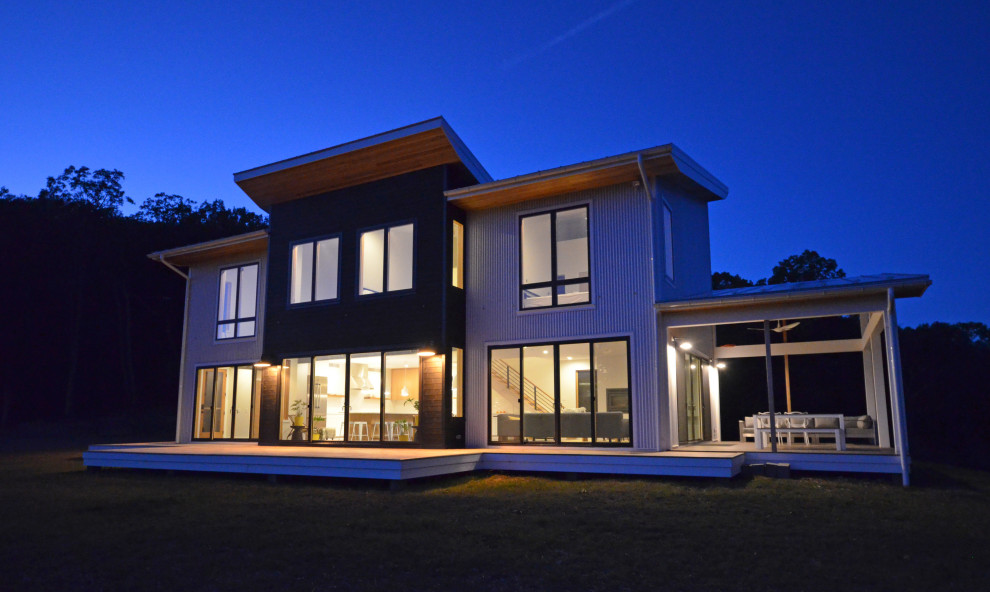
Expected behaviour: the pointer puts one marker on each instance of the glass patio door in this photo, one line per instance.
(693, 406)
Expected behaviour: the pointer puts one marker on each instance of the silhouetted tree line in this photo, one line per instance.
(92, 327)
(945, 367)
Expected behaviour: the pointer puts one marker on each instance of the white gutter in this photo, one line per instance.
(813, 294)
(161, 259)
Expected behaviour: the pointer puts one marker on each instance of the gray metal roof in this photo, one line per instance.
(904, 285)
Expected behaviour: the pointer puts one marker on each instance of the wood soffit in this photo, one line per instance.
(251, 244)
(399, 156)
(569, 179)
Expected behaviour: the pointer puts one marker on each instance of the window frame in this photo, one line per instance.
(312, 288)
(346, 441)
(237, 303)
(458, 276)
(554, 283)
(555, 345)
(385, 289)
(233, 409)
(668, 242)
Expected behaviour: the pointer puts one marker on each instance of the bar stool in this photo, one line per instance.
(359, 429)
(375, 432)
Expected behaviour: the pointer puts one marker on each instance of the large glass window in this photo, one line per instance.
(457, 254)
(564, 393)
(554, 264)
(314, 271)
(386, 260)
(238, 301)
(363, 397)
(227, 403)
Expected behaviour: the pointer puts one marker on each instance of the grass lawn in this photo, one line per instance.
(63, 528)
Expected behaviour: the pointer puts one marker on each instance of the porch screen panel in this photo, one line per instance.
(504, 395)
(612, 398)
(538, 394)
(574, 360)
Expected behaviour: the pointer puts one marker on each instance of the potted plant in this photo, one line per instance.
(403, 427)
(415, 404)
(298, 412)
(318, 431)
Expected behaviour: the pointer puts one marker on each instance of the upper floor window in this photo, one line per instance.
(553, 251)
(314, 271)
(386, 263)
(668, 240)
(457, 254)
(237, 314)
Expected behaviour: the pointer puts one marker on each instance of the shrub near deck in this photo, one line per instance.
(64, 528)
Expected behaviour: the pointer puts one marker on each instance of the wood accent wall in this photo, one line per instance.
(431, 409)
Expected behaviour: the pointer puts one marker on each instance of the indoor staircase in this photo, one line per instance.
(539, 399)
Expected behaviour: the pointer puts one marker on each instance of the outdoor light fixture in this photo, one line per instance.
(685, 345)
(261, 364)
(426, 353)
(720, 365)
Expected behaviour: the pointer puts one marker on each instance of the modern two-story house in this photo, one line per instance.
(402, 300)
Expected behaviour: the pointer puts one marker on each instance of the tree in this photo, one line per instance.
(723, 280)
(807, 266)
(100, 188)
(166, 209)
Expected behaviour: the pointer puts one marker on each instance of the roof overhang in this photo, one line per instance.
(903, 285)
(415, 147)
(241, 244)
(666, 161)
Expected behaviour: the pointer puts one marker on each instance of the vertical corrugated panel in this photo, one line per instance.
(622, 298)
(201, 348)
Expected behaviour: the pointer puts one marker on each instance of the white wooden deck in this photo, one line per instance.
(405, 463)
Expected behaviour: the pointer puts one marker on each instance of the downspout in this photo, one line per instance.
(180, 418)
(661, 340)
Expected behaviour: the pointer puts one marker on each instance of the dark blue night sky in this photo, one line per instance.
(858, 129)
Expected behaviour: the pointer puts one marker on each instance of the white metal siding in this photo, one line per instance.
(622, 298)
(202, 348)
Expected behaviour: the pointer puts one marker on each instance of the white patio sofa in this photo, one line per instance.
(860, 427)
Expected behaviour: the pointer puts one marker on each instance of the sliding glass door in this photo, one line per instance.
(361, 397)
(227, 403)
(560, 393)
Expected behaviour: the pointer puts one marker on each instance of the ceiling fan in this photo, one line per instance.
(783, 327)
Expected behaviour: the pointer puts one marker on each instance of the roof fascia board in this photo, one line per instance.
(402, 132)
(697, 173)
(467, 157)
(629, 158)
(915, 287)
(210, 245)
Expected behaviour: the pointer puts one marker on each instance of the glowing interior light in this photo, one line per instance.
(686, 345)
